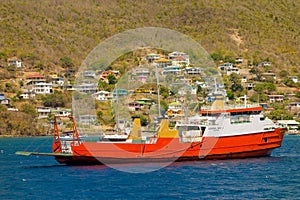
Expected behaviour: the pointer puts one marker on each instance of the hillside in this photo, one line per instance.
(42, 32)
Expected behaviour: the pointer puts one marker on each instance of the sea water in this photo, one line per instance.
(36, 177)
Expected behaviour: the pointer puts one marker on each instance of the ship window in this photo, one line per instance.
(193, 128)
(262, 118)
(265, 139)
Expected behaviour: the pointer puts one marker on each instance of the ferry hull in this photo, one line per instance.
(172, 150)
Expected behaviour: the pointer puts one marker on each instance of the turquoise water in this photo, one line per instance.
(275, 177)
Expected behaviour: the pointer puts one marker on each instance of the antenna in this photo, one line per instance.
(158, 91)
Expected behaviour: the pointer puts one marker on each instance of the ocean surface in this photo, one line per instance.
(36, 177)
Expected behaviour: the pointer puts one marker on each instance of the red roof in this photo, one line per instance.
(32, 76)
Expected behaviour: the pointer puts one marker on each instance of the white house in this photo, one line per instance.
(87, 88)
(103, 95)
(59, 81)
(193, 70)
(43, 112)
(235, 70)
(88, 74)
(264, 64)
(28, 95)
(179, 58)
(269, 75)
(294, 78)
(151, 57)
(291, 125)
(275, 98)
(42, 88)
(87, 119)
(171, 70)
(225, 66)
(61, 112)
(239, 60)
(34, 79)
(14, 62)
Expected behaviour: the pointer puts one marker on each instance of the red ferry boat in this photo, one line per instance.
(214, 134)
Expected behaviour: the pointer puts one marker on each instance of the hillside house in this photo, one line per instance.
(120, 92)
(294, 106)
(249, 85)
(264, 64)
(145, 101)
(141, 74)
(175, 109)
(61, 112)
(244, 79)
(171, 70)
(104, 74)
(291, 125)
(239, 60)
(135, 106)
(181, 61)
(235, 70)
(43, 112)
(225, 66)
(88, 74)
(87, 119)
(268, 75)
(57, 81)
(293, 78)
(28, 95)
(42, 88)
(87, 87)
(193, 70)
(34, 79)
(15, 62)
(103, 95)
(275, 98)
(163, 62)
(151, 57)
(4, 101)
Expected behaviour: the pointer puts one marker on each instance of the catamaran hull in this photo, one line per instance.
(172, 150)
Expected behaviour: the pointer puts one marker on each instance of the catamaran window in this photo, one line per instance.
(188, 128)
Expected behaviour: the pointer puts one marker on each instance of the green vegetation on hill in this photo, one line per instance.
(47, 32)
(56, 35)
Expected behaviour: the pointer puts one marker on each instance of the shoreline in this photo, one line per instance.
(24, 136)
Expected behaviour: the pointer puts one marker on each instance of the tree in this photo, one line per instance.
(111, 79)
(259, 88)
(164, 91)
(28, 109)
(99, 115)
(216, 56)
(283, 73)
(230, 95)
(66, 62)
(237, 87)
(144, 120)
(270, 87)
(258, 98)
(57, 99)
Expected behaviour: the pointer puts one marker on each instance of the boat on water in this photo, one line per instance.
(212, 134)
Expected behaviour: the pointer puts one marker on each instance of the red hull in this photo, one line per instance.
(171, 149)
